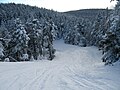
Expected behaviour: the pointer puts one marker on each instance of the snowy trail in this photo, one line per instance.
(74, 68)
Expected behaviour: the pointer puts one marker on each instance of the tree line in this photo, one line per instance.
(27, 33)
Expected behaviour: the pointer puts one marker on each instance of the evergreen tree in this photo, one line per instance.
(48, 38)
(75, 36)
(18, 45)
(36, 37)
(1, 51)
(98, 30)
(3, 30)
(111, 41)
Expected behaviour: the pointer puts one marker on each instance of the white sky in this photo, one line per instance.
(65, 5)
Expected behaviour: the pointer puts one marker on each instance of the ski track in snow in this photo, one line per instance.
(74, 68)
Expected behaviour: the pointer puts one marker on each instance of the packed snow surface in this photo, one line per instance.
(74, 68)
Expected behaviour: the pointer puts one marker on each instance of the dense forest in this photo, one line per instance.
(27, 33)
(89, 14)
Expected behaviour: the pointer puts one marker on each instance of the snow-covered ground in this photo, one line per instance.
(74, 68)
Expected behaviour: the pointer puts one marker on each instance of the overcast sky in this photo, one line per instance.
(65, 5)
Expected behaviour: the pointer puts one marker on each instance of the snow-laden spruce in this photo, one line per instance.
(18, 45)
(1, 51)
(110, 42)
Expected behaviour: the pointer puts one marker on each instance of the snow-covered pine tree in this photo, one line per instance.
(35, 30)
(75, 36)
(17, 48)
(48, 37)
(3, 47)
(111, 41)
(87, 27)
(1, 51)
(60, 30)
(111, 50)
(68, 38)
(98, 30)
(53, 29)
(80, 35)
(4, 33)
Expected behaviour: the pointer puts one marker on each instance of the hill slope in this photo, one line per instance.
(87, 13)
(74, 68)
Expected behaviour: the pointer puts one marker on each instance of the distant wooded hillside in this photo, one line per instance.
(88, 13)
